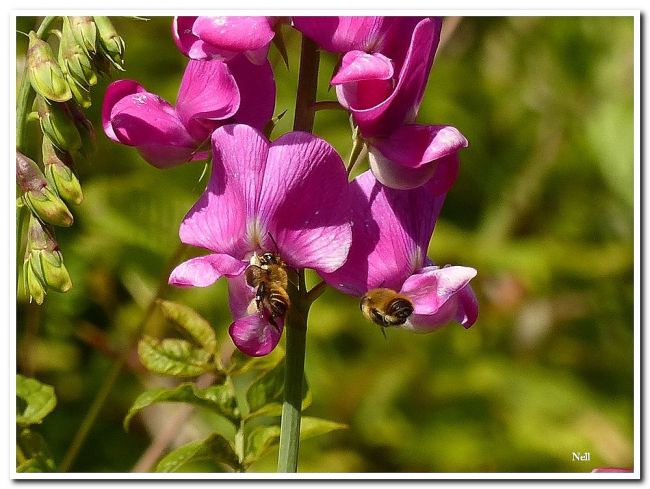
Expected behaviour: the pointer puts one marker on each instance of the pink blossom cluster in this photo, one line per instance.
(291, 196)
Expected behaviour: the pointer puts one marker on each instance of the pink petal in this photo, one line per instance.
(440, 295)
(255, 335)
(441, 173)
(357, 65)
(611, 469)
(432, 286)
(415, 145)
(206, 270)
(364, 94)
(342, 34)
(258, 56)
(241, 297)
(163, 156)
(149, 123)
(209, 92)
(467, 308)
(304, 202)
(234, 34)
(223, 218)
(257, 90)
(182, 34)
(403, 103)
(390, 235)
(115, 92)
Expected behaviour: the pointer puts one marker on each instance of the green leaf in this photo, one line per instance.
(219, 398)
(39, 398)
(310, 427)
(263, 438)
(265, 394)
(190, 322)
(214, 448)
(173, 357)
(240, 363)
(260, 441)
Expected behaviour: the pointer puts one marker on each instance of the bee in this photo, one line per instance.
(267, 274)
(386, 307)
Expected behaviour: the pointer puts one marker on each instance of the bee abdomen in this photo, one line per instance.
(400, 308)
(278, 304)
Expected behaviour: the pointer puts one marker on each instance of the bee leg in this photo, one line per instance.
(383, 332)
(272, 321)
(259, 296)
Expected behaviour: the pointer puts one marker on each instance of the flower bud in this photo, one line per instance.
(41, 199)
(80, 94)
(85, 32)
(110, 42)
(43, 267)
(34, 284)
(57, 124)
(59, 173)
(45, 74)
(74, 59)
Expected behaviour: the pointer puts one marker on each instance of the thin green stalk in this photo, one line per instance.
(23, 108)
(297, 317)
(115, 370)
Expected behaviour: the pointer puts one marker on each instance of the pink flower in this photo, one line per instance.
(224, 37)
(390, 236)
(292, 193)
(381, 81)
(610, 469)
(212, 93)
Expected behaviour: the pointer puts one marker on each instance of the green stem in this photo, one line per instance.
(114, 373)
(25, 92)
(297, 317)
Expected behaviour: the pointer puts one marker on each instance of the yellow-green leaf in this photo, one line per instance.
(173, 357)
(219, 398)
(39, 400)
(190, 322)
(214, 448)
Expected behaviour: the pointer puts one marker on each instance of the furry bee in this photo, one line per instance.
(268, 276)
(386, 307)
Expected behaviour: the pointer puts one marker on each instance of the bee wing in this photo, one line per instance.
(254, 275)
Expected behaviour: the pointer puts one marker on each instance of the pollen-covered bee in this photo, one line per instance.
(386, 307)
(268, 276)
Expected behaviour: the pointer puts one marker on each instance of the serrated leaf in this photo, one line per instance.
(173, 357)
(260, 441)
(214, 448)
(218, 398)
(39, 400)
(190, 322)
(265, 394)
(241, 363)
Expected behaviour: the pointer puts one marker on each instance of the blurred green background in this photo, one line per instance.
(543, 209)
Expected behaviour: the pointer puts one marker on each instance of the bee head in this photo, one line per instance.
(269, 258)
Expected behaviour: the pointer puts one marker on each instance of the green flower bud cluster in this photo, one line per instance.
(88, 47)
(43, 267)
